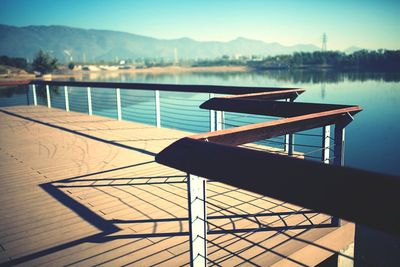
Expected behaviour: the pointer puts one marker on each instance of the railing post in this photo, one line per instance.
(326, 140)
(158, 115)
(27, 95)
(34, 94)
(48, 96)
(339, 145)
(212, 116)
(89, 98)
(66, 98)
(289, 144)
(220, 120)
(338, 154)
(289, 139)
(197, 220)
(119, 112)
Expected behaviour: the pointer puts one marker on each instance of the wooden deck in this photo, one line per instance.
(85, 190)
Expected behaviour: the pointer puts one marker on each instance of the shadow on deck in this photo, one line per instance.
(137, 209)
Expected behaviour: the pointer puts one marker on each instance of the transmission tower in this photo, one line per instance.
(324, 42)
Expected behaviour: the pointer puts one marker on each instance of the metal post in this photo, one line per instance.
(289, 144)
(212, 116)
(326, 140)
(66, 98)
(27, 95)
(34, 94)
(89, 99)
(286, 143)
(339, 145)
(289, 139)
(338, 154)
(197, 220)
(212, 120)
(158, 115)
(48, 96)
(220, 120)
(119, 113)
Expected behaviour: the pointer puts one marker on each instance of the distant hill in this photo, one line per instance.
(81, 44)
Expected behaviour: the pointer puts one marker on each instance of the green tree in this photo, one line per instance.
(14, 62)
(44, 63)
(71, 66)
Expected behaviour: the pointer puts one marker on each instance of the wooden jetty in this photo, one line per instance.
(80, 189)
(85, 190)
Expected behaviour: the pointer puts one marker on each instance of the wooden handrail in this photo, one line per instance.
(360, 196)
(273, 95)
(14, 83)
(242, 91)
(268, 107)
(264, 130)
(266, 94)
(193, 88)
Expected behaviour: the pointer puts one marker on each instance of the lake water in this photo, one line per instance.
(372, 139)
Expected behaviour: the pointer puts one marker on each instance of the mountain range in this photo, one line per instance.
(66, 43)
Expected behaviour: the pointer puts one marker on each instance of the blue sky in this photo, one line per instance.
(368, 24)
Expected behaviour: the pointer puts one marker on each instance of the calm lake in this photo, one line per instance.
(372, 139)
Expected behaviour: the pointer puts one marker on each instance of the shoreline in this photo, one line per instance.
(116, 73)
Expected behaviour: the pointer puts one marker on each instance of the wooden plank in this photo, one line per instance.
(323, 248)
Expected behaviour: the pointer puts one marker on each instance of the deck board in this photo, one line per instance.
(84, 190)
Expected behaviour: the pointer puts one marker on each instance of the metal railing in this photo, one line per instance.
(215, 118)
(223, 154)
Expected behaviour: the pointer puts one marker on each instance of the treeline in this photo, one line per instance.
(15, 62)
(225, 60)
(379, 60)
(42, 63)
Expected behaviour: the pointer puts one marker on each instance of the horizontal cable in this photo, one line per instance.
(306, 134)
(172, 119)
(180, 106)
(232, 125)
(240, 121)
(130, 97)
(191, 115)
(192, 126)
(183, 99)
(233, 114)
(138, 105)
(133, 113)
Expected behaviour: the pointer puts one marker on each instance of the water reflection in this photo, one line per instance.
(287, 76)
(9, 91)
(330, 76)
